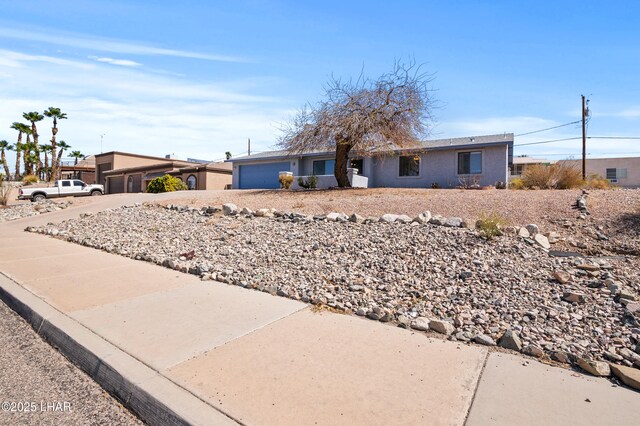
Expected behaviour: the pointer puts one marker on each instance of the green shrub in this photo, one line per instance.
(285, 181)
(490, 225)
(435, 185)
(30, 179)
(166, 183)
(310, 183)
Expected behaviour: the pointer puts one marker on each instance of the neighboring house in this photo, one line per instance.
(125, 172)
(85, 170)
(521, 164)
(622, 171)
(446, 163)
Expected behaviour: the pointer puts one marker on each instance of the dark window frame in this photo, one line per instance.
(409, 166)
(465, 164)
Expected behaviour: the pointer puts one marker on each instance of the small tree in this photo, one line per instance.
(227, 155)
(368, 116)
(166, 183)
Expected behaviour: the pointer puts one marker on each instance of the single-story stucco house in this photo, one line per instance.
(122, 172)
(522, 163)
(620, 171)
(444, 163)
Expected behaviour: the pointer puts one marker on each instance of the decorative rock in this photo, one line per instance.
(588, 267)
(466, 223)
(627, 375)
(542, 241)
(437, 220)
(230, 209)
(403, 218)
(423, 218)
(483, 339)
(597, 368)
(336, 217)
(533, 350)
(573, 297)
(510, 340)
(442, 327)
(388, 218)
(523, 232)
(356, 218)
(420, 323)
(453, 222)
(562, 277)
(560, 356)
(553, 237)
(626, 294)
(246, 211)
(533, 229)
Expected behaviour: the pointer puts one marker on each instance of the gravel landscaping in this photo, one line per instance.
(18, 211)
(44, 387)
(427, 273)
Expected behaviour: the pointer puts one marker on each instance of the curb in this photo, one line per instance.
(151, 396)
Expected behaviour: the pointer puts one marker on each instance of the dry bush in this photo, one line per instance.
(595, 181)
(536, 176)
(565, 176)
(285, 181)
(554, 176)
(29, 179)
(516, 183)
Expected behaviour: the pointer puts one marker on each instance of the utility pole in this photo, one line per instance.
(585, 112)
(248, 146)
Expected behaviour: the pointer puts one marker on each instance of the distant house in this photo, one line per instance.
(445, 163)
(84, 170)
(621, 171)
(121, 172)
(521, 164)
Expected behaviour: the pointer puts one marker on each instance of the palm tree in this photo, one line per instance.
(76, 155)
(56, 114)
(28, 157)
(47, 170)
(63, 147)
(34, 117)
(21, 128)
(3, 158)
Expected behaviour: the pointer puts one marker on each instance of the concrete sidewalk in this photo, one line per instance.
(176, 349)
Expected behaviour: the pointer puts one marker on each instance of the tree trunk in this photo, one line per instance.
(4, 164)
(54, 164)
(342, 160)
(18, 151)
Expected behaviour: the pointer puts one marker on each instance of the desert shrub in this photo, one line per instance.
(490, 225)
(565, 176)
(285, 181)
(166, 183)
(516, 183)
(595, 181)
(435, 185)
(29, 179)
(554, 176)
(501, 185)
(310, 183)
(5, 188)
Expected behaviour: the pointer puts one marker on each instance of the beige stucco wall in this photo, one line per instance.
(599, 166)
(218, 180)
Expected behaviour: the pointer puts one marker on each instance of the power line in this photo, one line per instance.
(549, 141)
(614, 137)
(548, 128)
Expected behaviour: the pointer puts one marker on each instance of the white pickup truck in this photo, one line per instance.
(61, 188)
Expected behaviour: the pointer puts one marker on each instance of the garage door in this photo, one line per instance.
(262, 176)
(116, 185)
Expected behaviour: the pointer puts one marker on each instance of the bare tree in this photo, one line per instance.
(370, 117)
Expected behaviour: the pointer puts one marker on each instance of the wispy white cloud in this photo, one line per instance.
(627, 113)
(14, 59)
(91, 43)
(112, 61)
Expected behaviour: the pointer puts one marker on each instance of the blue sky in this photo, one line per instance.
(197, 78)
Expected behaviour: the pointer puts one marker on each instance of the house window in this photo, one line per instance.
(323, 167)
(191, 182)
(470, 163)
(517, 169)
(615, 174)
(409, 165)
(357, 163)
